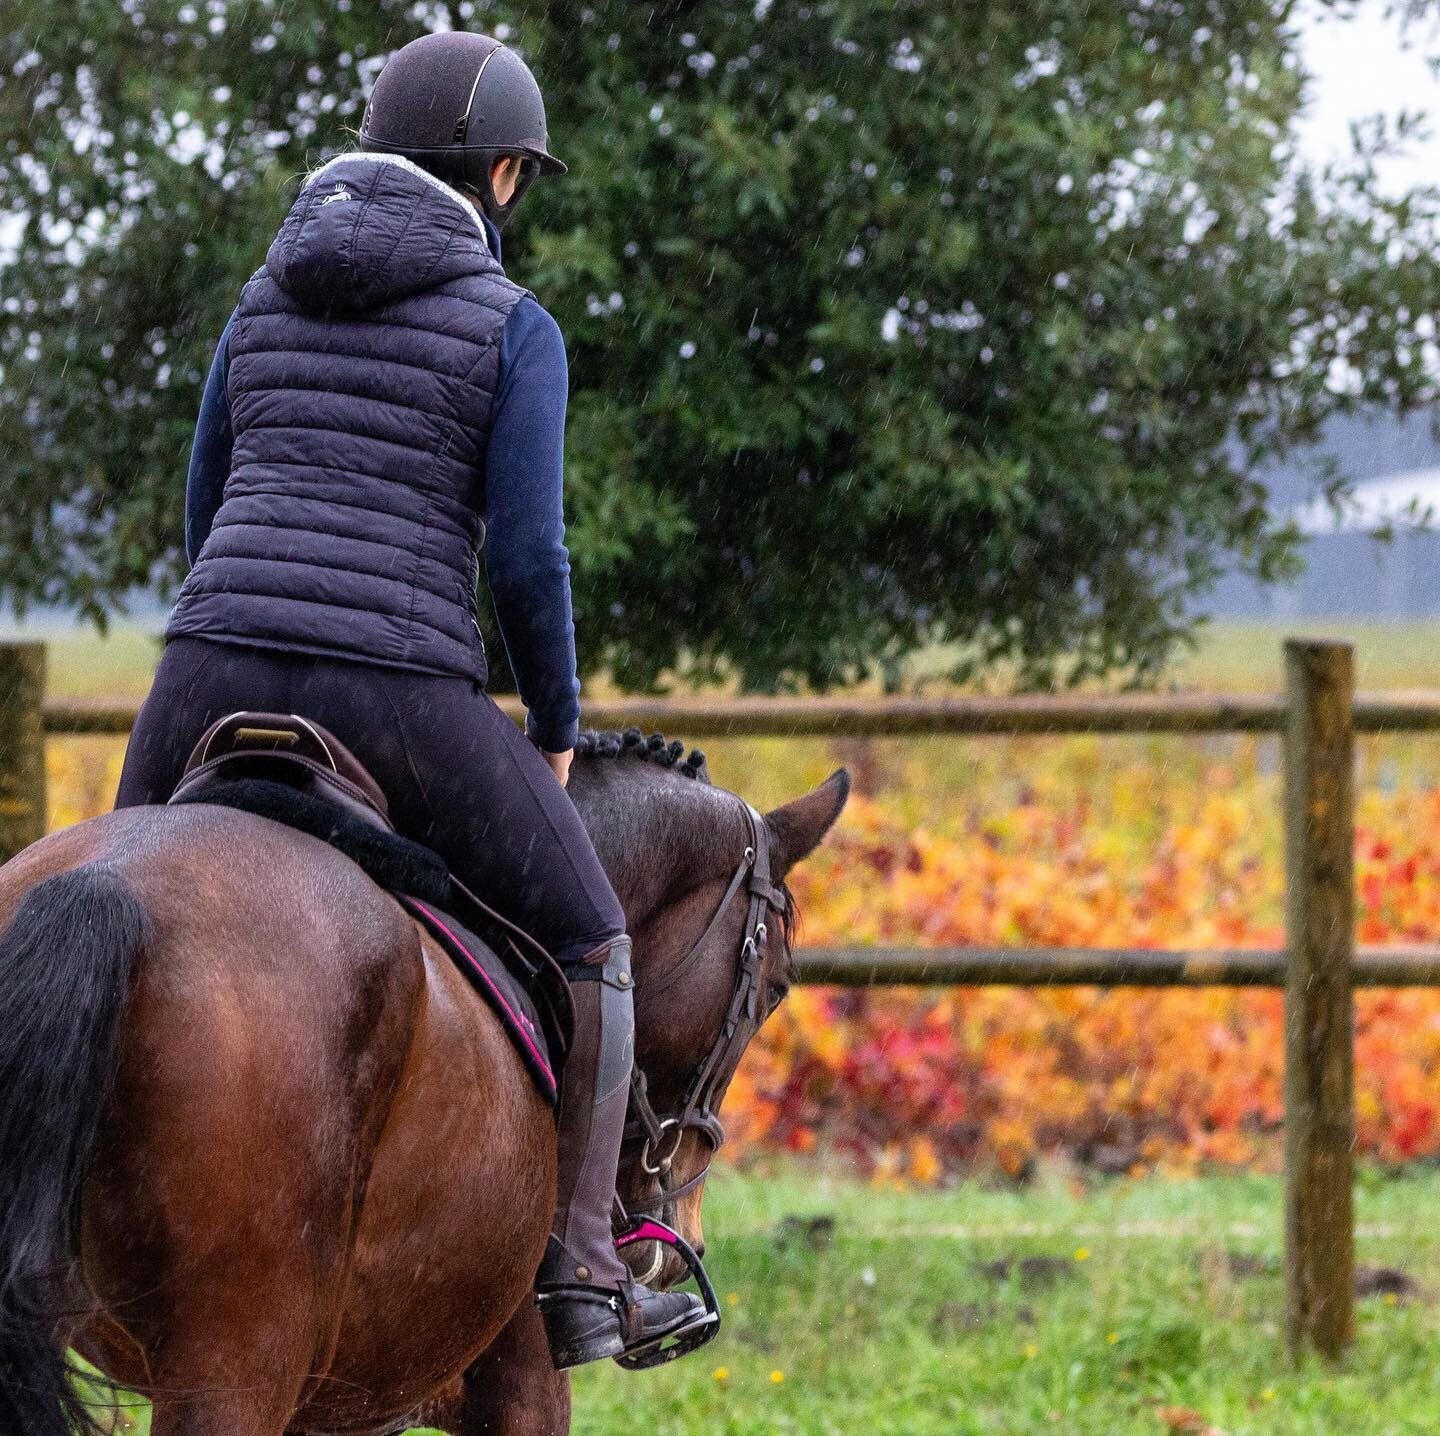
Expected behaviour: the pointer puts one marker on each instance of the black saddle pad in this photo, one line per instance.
(529, 996)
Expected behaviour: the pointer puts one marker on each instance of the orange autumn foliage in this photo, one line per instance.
(918, 1085)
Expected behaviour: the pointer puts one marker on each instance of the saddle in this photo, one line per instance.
(294, 771)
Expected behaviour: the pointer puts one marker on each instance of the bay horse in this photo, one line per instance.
(266, 1157)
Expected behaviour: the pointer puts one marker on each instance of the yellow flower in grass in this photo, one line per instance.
(722, 1374)
(1082, 1253)
(777, 1377)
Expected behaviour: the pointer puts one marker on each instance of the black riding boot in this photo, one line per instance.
(591, 1305)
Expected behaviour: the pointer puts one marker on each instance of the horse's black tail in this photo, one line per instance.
(65, 964)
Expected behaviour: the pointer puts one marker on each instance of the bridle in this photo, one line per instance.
(661, 1135)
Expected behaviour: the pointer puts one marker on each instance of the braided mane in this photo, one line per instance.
(632, 743)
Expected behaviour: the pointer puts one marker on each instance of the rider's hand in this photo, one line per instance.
(559, 763)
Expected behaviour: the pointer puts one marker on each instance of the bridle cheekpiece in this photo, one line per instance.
(662, 1134)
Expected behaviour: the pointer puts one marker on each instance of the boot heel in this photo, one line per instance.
(580, 1326)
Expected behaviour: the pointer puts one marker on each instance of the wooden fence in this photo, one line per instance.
(1318, 715)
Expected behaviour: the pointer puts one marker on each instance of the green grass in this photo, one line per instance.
(1141, 1303)
(1247, 655)
(86, 666)
(1005, 1312)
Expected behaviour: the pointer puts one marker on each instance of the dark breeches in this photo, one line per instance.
(459, 776)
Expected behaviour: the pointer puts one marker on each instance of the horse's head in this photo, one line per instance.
(701, 876)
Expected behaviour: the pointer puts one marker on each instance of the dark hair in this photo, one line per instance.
(632, 743)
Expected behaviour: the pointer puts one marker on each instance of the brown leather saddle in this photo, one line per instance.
(293, 770)
(284, 748)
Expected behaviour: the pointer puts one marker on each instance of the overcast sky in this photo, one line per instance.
(1363, 66)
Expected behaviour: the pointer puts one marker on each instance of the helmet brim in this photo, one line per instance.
(460, 154)
(549, 164)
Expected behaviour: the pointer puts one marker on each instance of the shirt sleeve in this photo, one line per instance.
(526, 562)
(210, 455)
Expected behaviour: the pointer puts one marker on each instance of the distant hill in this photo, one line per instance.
(1349, 573)
(143, 611)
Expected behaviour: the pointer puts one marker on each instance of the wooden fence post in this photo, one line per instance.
(22, 746)
(1319, 1027)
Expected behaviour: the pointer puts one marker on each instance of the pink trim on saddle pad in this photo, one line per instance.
(518, 1020)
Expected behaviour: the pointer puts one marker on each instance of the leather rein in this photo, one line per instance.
(661, 1135)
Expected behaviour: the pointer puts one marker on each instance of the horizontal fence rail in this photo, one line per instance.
(1040, 716)
(1414, 965)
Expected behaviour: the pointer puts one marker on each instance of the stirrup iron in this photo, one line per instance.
(690, 1337)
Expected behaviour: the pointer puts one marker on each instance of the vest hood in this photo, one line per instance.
(369, 229)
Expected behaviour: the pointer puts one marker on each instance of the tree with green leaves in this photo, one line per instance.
(891, 323)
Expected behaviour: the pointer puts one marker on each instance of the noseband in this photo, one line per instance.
(661, 1135)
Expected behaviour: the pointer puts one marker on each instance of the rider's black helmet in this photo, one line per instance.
(454, 103)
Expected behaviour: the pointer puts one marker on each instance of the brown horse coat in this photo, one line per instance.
(322, 1180)
(291, 1028)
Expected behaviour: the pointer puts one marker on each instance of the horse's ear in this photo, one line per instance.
(798, 826)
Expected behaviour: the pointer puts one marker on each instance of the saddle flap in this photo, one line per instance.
(533, 1005)
(285, 748)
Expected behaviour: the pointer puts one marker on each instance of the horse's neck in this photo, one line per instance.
(658, 834)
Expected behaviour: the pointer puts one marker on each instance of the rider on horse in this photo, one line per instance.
(382, 399)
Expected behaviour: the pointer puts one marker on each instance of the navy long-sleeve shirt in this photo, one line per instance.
(526, 561)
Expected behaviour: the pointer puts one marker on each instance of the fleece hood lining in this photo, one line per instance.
(374, 157)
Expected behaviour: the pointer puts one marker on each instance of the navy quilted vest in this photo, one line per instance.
(364, 360)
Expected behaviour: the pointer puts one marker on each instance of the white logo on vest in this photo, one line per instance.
(340, 193)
